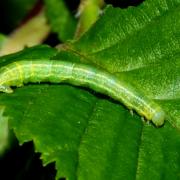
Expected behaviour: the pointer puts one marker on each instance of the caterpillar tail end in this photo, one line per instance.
(158, 118)
(6, 89)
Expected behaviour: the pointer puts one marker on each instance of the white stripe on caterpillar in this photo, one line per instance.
(22, 72)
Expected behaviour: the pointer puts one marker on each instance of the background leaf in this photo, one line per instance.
(36, 27)
(62, 21)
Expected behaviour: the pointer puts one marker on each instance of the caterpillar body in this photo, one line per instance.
(22, 72)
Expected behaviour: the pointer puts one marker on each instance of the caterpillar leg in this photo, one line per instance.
(6, 89)
(148, 122)
(131, 112)
(143, 120)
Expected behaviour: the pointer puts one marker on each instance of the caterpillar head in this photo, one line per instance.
(158, 118)
(6, 89)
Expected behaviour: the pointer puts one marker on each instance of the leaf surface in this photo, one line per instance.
(90, 136)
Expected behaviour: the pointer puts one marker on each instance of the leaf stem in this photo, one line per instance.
(88, 13)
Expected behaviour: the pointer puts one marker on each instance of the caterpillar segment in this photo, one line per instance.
(78, 74)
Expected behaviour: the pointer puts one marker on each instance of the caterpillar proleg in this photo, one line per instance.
(22, 72)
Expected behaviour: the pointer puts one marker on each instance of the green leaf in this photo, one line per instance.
(143, 49)
(4, 133)
(61, 20)
(90, 136)
(37, 53)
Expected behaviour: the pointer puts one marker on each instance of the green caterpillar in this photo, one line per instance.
(22, 72)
